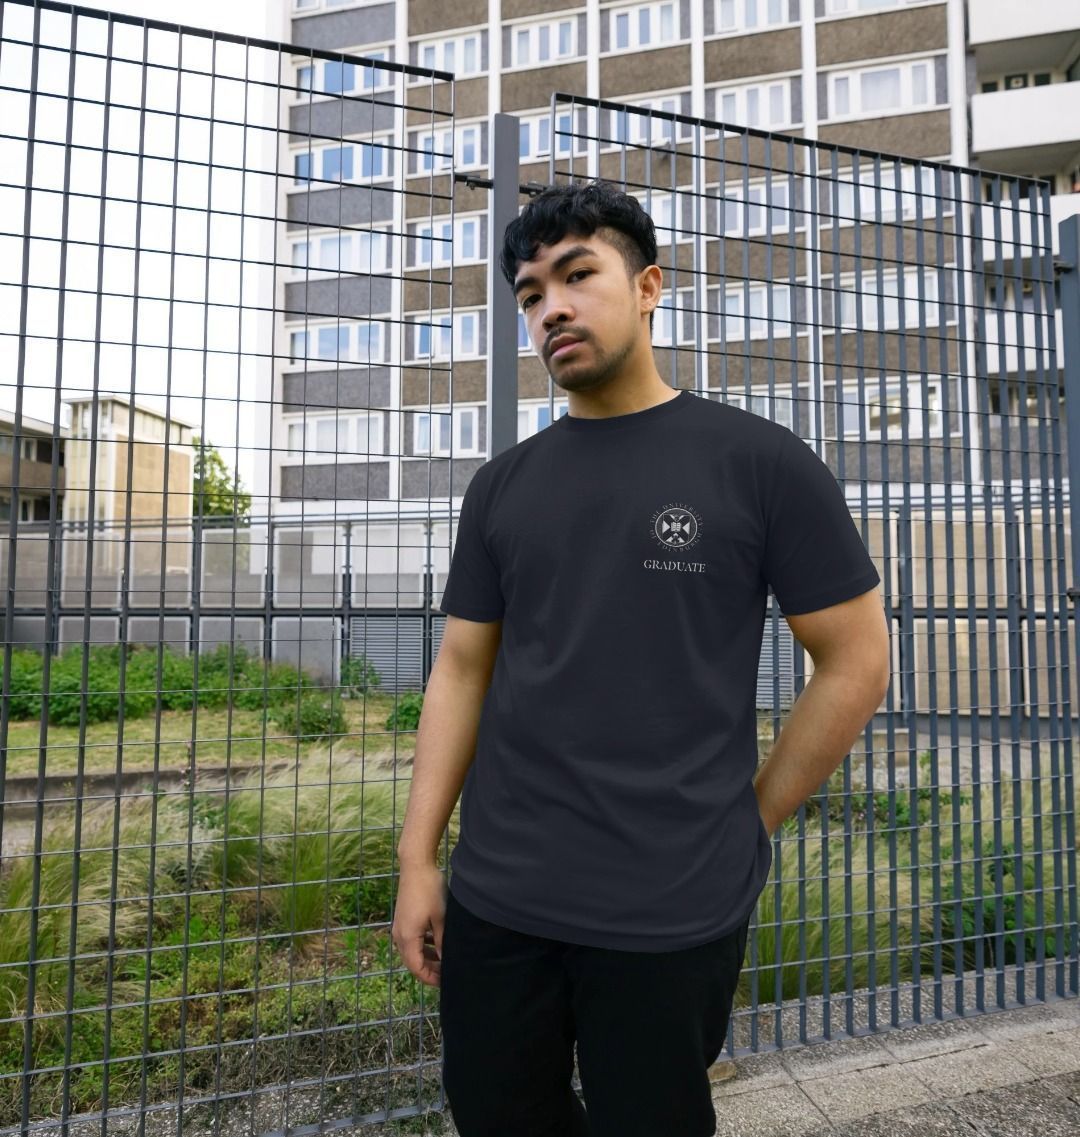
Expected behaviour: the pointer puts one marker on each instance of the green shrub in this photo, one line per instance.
(264, 684)
(358, 675)
(24, 701)
(102, 688)
(176, 682)
(406, 712)
(313, 715)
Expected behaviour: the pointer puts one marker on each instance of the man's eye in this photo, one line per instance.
(526, 302)
(579, 272)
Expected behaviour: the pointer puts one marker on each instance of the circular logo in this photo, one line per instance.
(676, 526)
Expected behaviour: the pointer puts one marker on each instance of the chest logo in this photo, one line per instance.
(676, 526)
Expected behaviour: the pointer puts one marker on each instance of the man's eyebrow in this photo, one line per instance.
(570, 255)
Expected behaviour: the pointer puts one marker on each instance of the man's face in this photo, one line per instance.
(581, 309)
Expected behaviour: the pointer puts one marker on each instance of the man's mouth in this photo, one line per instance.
(563, 345)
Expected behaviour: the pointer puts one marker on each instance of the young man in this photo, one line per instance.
(609, 582)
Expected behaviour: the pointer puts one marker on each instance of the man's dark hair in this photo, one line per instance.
(578, 210)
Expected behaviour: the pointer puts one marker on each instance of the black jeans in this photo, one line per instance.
(648, 1025)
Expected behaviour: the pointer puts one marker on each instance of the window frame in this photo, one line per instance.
(380, 144)
(454, 255)
(741, 92)
(634, 42)
(743, 26)
(533, 28)
(309, 338)
(445, 348)
(375, 53)
(732, 196)
(528, 420)
(308, 425)
(456, 417)
(846, 9)
(738, 399)
(662, 130)
(889, 290)
(758, 324)
(853, 76)
(863, 430)
(357, 265)
(571, 143)
(442, 158)
(443, 41)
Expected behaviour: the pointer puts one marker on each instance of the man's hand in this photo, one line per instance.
(419, 916)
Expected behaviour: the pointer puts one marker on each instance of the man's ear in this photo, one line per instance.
(651, 285)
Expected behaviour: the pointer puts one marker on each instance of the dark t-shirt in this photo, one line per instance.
(610, 801)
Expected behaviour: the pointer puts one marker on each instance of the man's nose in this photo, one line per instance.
(557, 313)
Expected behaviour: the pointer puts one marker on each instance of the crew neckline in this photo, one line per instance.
(632, 419)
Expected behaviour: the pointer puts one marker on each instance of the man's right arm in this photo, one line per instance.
(446, 734)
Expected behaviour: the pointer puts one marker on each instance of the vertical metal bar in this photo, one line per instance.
(502, 331)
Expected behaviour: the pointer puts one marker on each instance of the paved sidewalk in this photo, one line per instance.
(1012, 1073)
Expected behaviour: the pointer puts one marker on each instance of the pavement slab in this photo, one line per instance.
(965, 1071)
(1030, 1110)
(856, 1093)
(781, 1111)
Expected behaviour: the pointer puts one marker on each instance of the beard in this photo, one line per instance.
(607, 364)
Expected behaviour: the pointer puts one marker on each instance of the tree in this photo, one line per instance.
(216, 492)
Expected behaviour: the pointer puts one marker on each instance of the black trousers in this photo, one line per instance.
(648, 1025)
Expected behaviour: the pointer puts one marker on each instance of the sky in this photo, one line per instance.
(211, 371)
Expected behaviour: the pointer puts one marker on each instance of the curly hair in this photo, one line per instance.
(579, 209)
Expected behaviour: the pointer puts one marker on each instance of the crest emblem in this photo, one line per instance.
(676, 526)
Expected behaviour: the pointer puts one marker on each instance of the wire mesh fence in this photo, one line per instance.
(238, 278)
(224, 279)
(899, 315)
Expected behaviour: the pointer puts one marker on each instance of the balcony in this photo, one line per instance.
(1017, 240)
(1007, 355)
(1026, 131)
(35, 478)
(1038, 39)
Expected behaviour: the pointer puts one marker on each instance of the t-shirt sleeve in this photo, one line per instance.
(472, 588)
(814, 553)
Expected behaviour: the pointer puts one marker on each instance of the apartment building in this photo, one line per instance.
(367, 413)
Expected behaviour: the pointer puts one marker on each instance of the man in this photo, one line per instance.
(609, 582)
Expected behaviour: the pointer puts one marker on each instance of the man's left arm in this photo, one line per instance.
(849, 644)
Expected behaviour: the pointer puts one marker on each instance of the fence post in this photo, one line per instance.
(502, 367)
(1069, 263)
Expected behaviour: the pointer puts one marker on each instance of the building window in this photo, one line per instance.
(666, 316)
(661, 208)
(757, 208)
(637, 126)
(534, 417)
(776, 407)
(879, 90)
(764, 105)
(463, 55)
(338, 77)
(548, 42)
(436, 150)
(898, 411)
(326, 437)
(877, 305)
(744, 312)
(635, 26)
(350, 342)
(852, 7)
(535, 137)
(524, 343)
(437, 338)
(917, 192)
(436, 431)
(359, 252)
(439, 244)
(750, 15)
(312, 5)
(345, 163)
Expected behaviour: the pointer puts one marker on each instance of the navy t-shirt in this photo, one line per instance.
(610, 801)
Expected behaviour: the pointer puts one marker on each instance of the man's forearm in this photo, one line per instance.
(829, 714)
(445, 748)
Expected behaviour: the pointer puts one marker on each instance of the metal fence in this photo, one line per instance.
(238, 278)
